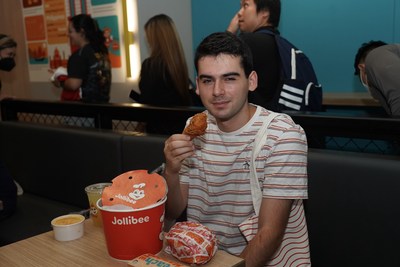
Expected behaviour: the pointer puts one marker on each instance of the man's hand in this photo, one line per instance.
(177, 148)
(234, 25)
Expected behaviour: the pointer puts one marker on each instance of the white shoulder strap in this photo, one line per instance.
(259, 142)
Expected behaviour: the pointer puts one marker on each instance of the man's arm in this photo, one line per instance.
(177, 148)
(272, 222)
(286, 174)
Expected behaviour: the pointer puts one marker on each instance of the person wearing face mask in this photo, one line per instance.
(8, 188)
(378, 66)
(8, 49)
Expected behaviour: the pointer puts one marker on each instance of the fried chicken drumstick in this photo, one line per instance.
(197, 125)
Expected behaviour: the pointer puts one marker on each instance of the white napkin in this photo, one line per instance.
(58, 72)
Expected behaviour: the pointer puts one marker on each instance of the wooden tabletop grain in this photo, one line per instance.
(89, 250)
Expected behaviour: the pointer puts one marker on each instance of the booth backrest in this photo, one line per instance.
(142, 153)
(353, 212)
(57, 163)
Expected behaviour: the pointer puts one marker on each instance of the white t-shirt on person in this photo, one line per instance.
(219, 182)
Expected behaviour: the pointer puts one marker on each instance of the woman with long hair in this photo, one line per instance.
(89, 67)
(164, 78)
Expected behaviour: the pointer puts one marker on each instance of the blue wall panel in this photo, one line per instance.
(328, 31)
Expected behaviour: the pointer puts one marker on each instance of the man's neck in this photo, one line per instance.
(238, 121)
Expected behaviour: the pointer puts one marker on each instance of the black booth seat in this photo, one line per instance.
(352, 212)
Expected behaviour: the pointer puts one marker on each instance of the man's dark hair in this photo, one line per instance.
(274, 8)
(363, 52)
(225, 43)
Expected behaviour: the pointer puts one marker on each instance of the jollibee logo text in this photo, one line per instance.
(130, 220)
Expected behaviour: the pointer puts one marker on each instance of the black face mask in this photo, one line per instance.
(7, 63)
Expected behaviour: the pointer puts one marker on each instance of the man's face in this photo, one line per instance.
(249, 19)
(223, 88)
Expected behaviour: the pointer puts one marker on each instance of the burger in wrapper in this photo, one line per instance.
(191, 242)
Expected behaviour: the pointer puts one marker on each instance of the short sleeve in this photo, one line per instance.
(286, 165)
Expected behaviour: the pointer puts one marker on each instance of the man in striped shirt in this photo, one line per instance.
(210, 175)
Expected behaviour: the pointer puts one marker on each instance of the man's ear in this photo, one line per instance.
(361, 66)
(253, 81)
(197, 86)
(265, 15)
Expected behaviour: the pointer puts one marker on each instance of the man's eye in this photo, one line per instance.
(206, 81)
(230, 79)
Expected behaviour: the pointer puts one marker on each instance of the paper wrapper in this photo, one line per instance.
(136, 189)
(152, 260)
(191, 243)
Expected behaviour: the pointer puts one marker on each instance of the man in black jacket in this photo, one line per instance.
(254, 16)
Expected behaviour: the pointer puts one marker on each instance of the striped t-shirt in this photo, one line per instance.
(218, 176)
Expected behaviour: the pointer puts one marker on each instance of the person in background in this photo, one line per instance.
(8, 48)
(89, 67)
(210, 175)
(8, 188)
(378, 66)
(252, 17)
(8, 193)
(164, 78)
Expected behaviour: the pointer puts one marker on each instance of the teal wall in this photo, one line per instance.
(328, 31)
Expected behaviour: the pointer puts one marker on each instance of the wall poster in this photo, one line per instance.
(46, 33)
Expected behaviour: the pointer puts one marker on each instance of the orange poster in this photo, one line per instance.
(56, 21)
(31, 3)
(34, 26)
(38, 53)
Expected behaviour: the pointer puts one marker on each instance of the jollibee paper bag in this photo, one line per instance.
(153, 260)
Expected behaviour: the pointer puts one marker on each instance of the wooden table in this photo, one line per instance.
(90, 250)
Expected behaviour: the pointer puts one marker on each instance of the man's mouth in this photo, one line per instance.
(220, 103)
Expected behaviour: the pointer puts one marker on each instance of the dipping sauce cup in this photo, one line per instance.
(68, 227)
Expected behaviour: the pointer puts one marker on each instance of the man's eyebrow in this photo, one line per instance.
(205, 76)
(231, 74)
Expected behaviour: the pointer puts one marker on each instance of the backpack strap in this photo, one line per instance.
(259, 142)
(283, 47)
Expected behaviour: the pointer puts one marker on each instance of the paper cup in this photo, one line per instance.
(94, 193)
(130, 234)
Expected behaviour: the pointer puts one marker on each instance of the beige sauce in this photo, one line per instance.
(67, 221)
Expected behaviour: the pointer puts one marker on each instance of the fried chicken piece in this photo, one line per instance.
(197, 125)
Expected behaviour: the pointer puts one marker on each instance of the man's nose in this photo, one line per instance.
(240, 12)
(219, 88)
